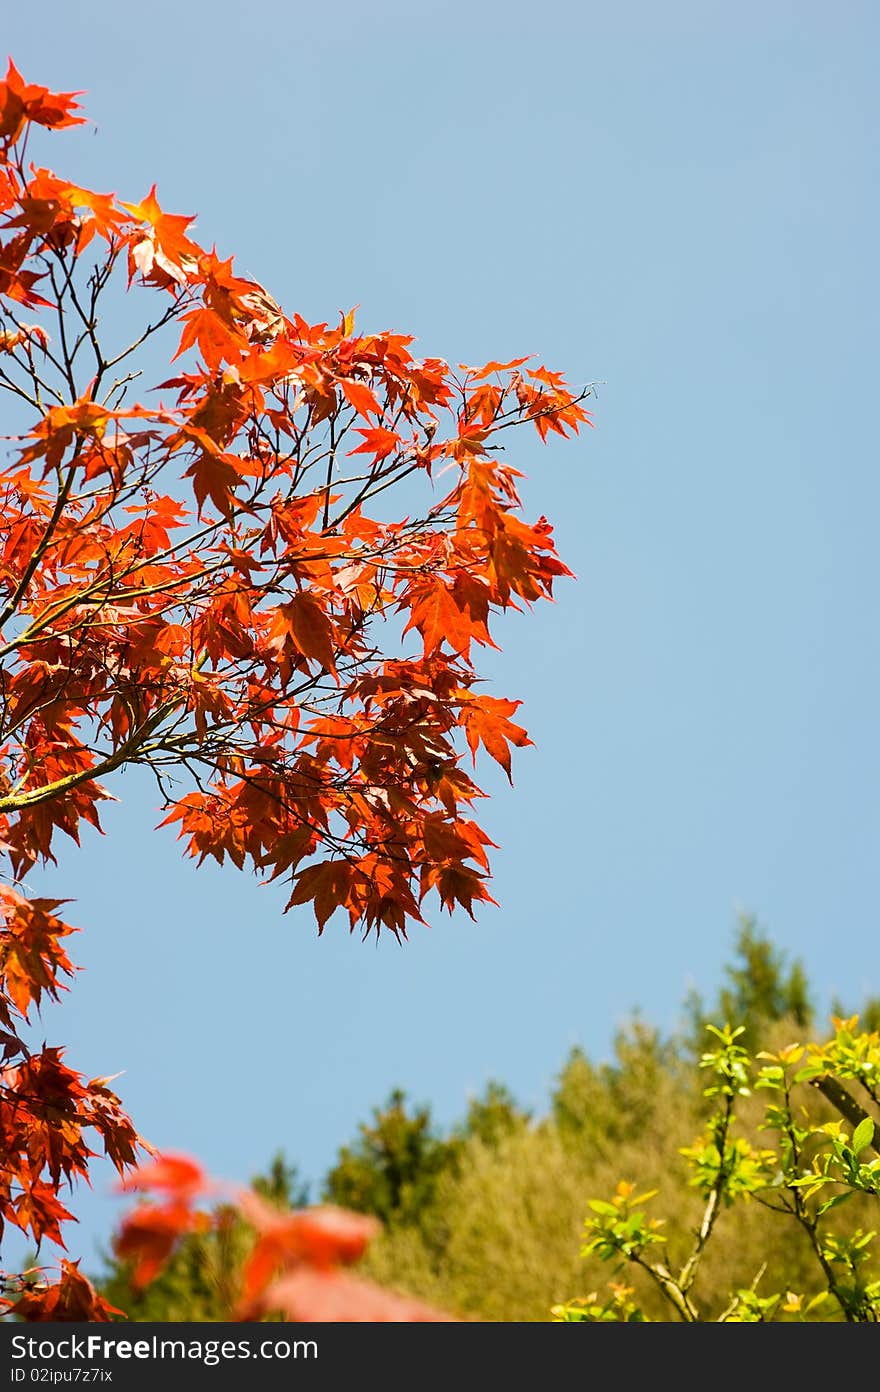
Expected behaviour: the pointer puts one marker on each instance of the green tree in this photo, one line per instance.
(501, 1232)
(392, 1169)
(492, 1116)
(601, 1106)
(501, 1243)
(759, 988)
(282, 1184)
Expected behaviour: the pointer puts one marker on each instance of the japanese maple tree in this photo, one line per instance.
(216, 585)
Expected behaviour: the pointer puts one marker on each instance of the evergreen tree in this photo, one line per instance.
(492, 1116)
(759, 989)
(392, 1169)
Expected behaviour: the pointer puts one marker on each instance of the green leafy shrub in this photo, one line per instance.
(814, 1167)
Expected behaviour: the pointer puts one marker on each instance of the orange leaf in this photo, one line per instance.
(437, 616)
(486, 722)
(169, 228)
(328, 885)
(73, 1298)
(21, 101)
(214, 476)
(309, 627)
(147, 1238)
(480, 372)
(362, 399)
(377, 441)
(323, 1236)
(176, 1173)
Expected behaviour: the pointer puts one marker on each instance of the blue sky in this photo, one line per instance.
(679, 202)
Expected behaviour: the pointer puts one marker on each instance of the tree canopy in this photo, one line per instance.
(268, 580)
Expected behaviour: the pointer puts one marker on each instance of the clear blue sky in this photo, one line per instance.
(680, 201)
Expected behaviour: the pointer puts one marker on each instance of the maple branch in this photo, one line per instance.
(520, 413)
(331, 459)
(10, 384)
(24, 361)
(368, 493)
(127, 752)
(120, 385)
(46, 539)
(98, 280)
(185, 296)
(105, 579)
(324, 835)
(66, 366)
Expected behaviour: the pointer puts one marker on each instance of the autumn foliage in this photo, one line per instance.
(294, 1266)
(221, 585)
